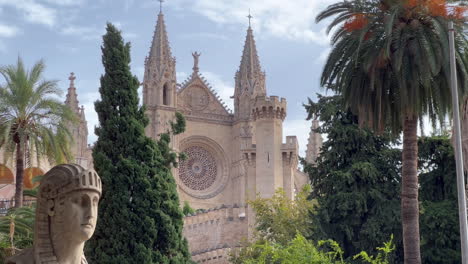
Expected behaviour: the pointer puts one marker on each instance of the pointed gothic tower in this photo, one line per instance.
(249, 80)
(72, 98)
(314, 144)
(159, 83)
(79, 148)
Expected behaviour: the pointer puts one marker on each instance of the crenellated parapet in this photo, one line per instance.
(212, 256)
(268, 107)
(290, 151)
(212, 233)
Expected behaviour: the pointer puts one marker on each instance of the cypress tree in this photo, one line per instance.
(139, 219)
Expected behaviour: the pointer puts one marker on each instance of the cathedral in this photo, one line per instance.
(232, 156)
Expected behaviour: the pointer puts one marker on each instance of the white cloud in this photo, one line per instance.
(204, 35)
(8, 31)
(65, 2)
(299, 128)
(67, 48)
(33, 11)
(224, 89)
(139, 71)
(86, 33)
(323, 56)
(285, 19)
(182, 76)
(129, 35)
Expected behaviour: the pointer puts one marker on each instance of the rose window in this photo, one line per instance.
(199, 170)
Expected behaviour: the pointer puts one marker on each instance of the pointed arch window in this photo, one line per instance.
(166, 94)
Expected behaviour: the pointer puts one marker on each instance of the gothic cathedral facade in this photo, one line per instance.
(231, 156)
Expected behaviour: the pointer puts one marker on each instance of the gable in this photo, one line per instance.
(196, 99)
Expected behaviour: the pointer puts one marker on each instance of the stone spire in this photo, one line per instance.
(160, 56)
(250, 77)
(249, 80)
(159, 79)
(72, 97)
(314, 144)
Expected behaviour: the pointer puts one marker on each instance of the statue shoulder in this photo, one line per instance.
(26, 256)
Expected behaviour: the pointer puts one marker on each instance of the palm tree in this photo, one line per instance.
(31, 119)
(390, 62)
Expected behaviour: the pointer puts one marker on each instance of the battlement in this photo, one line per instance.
(212, 256)
(290, 151)
(210, 216)
(291, 143)
(269, 107)
(213, 232)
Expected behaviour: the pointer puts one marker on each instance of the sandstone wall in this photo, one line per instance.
(213, 233)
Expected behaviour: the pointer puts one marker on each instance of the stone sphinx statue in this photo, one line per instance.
(65, 216)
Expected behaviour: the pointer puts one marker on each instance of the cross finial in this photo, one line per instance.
(160, 5)
(249, 17)
(72, 79)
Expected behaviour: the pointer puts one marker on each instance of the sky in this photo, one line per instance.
(67, 35)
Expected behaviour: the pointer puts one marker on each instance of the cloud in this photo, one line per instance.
(224, 89)
(299, 128)
(8, 31)
(323, 56)
(182, 76)
(293, 20)
(67, 48)
(204, 35)
(65, 2)
(129, 35)
(86, 33)
(33, 11)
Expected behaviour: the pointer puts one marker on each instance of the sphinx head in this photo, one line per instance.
(67, 206)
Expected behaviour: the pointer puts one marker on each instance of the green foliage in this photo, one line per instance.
(383, 255)
(279, 237)
(302, 251)
(298, 251)
(16, 230)
(187, 209)
(355, 181)
(439, 209)
(32, 120)
(279, 218)
(139, 219)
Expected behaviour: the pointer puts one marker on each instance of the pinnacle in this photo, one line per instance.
(250, 76)
(314, 143)
(160, 52)
(72, 97)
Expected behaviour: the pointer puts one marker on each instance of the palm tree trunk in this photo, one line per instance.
(19, 175)
(409, 192)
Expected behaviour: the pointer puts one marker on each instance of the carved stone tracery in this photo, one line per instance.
(199, 170)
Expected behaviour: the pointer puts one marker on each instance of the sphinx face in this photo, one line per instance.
(79, 215)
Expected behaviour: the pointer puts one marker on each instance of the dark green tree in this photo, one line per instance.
(355, 182)
(440, 233)
(140, 220)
